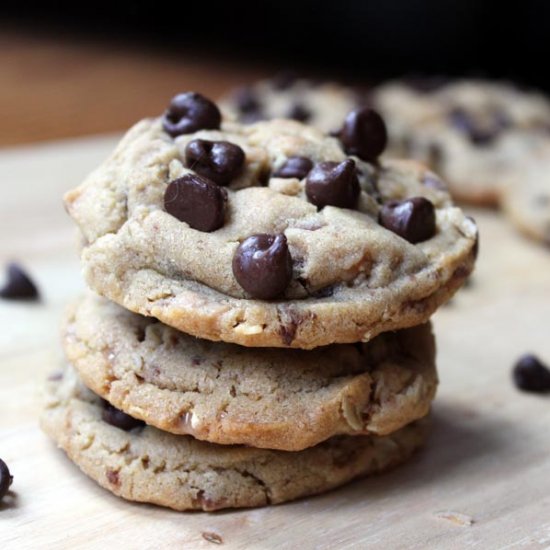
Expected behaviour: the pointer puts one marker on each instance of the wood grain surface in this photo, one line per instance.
(482, 482)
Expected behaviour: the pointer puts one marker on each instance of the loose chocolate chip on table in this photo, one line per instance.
(189, 112)
(299, 112)
(333, 184)
(19, 286)
(413, 219)
(219, 161)
(531, 375)
(6, 479)
(119, 419)
(364, 134)
(197, 201)
(262, 265)
(294, 167)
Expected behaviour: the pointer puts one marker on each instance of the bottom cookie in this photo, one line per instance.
(179, 472)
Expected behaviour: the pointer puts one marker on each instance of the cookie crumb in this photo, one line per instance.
(456, 517)
(212, 537)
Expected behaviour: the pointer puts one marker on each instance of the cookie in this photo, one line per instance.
(289, 253)
(473, 132)
(227, 394)
(147, 465)
(323, 105)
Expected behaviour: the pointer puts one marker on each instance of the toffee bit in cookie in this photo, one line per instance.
(531, 375)
(19, 285)
(219, 161)
(189, 112)
(119, 419)
(333, 184)
(364, 134)
(299, 112)
(294, 167)
(413, 219)
(197, 201)
(262, 265)
(6, 479)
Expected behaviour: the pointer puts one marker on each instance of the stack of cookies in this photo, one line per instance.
(262, 326)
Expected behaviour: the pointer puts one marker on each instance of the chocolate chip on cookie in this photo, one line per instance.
(190, 112)
(531, 375)
(294, 167)
(284, 80)
(433, 182)
(364, 134)
(247, 101)
(19, 285)
(299, 112)
(6, 479)
(465, 123)
(197, 201)
(262, 265)
(413, 219)
(119, 419)
(219, 161)
(333, 184)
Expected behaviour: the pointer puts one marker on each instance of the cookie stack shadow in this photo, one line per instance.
(180, 390)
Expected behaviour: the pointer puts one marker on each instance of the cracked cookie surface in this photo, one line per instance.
(475, 133)
(228, 394)
(351, 278)
(179, 472)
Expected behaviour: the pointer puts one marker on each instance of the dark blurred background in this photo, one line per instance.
(99, 65)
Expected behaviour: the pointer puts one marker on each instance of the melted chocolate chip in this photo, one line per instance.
(333, 184)
(413, 219)
(190, 112)
(294, 167)
(247, 101)
(19, 285)
(531, 375)
(299, 112)
(6, 479)
(262, 265)
(197, 201)
(219, 161)
(364, 134)
(119, 419)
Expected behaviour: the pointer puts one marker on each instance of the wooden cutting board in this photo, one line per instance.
(483, 481)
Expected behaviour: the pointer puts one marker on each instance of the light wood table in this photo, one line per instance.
(482, 482)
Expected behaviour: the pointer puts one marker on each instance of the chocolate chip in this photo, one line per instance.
(333, 184)
(190, 112)
(6, 479)
(426, 84)
(294, 167)
(283, 80)
(465, 123)
(119, 419)
(262, 265)
(531, 375)
(219, 161)
(299, 112)
(246, 100)
(197, 201)
(19, 285)
(364, 134)
(413, 219)
(433, 182)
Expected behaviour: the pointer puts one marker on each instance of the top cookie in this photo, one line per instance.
(269, 234)
(323, 105)
(474, 133)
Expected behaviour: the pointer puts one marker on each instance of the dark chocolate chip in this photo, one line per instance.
(294, 167)
(465, 123)
(219, 161)
(364, 134)
(246, 100)
(6, 479)
(19, 285)
(190, 112)
(333, 184)
(119, 419)
(197, 201)
(262, 265)
(284, 80)
(299, 112)
(413, 219)
(531, 375)
(433, 182)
